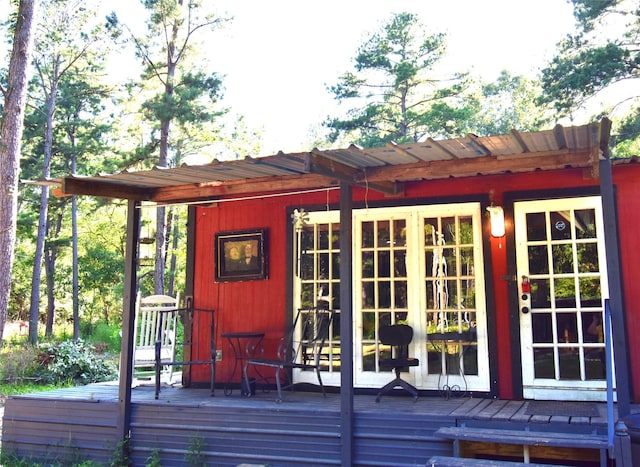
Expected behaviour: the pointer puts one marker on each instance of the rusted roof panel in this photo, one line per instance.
(433, 159)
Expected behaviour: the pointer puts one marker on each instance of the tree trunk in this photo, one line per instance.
(12, 125)
(34, 308)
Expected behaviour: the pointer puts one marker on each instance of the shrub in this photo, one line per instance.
(74, 361)
(18, 363)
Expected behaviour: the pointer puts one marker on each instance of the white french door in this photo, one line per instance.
(561, 270)
(423, 266)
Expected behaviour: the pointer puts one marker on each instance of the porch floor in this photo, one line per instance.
(302, 430)
(459, 408)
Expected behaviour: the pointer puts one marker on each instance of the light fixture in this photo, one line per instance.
(496, 215)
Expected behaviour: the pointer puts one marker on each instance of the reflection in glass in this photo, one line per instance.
(565, 292)
(368, 326)
(400, 263)
(585, 223)
(590, 293)
(543, 362)
(367, 264)
(323, 266)
(587, 257)
(335, 236)
(562, 258)
(384, 294)
(384, 234)
(399, 233)
(466, 231)
(368, 296)
(367, 234)
(335, 265)
(400, 294)
(323, 237)
(569, 363)
(560, 225)
(449, 230)
(538, 259)
(567, 327)
(384, 260)
(536, 227)
(542, 328)
(466, 261)
(540, 293)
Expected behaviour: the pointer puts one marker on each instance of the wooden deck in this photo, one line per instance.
(229, 430)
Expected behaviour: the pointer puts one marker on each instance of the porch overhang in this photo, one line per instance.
(385, 169)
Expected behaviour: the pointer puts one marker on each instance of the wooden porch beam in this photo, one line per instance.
(213, 191)
(125, 380)
(317, 163)
(94, 187)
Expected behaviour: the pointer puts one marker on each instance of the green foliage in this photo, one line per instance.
(154, 459)
(604, 53)
(395, 89)
(18, 365)
(74, 361)
(103, 336)
(195, 456)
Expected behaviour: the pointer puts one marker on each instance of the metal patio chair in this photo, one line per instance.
(301, 348)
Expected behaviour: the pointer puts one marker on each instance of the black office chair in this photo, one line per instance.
(398, 336)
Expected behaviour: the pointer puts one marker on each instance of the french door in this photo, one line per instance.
(561, 270)
(419, 265)
(423, 266)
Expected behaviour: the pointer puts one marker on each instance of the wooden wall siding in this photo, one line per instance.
(254, 305)
(60, 431)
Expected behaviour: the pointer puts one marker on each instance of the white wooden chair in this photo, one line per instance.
(155, 321)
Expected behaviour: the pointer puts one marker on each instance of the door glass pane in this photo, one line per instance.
(538, 260)
(384, 234)
(367, 235)
(562, 258)
(590, 292)
(560, 225)
(367, 264)
(567, 328)
(543, 362)
(400, 263)
(399, 233)
(536, 227)
(384, 269)
(585, 223)
(588, 257)
(565, 292)
(569, 364)
(542, 327)
(540, 293)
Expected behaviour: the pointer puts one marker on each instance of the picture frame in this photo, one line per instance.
(241, 255)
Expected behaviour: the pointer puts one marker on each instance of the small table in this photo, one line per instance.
(243, 345)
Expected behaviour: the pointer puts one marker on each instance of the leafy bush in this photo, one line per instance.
(74, 361)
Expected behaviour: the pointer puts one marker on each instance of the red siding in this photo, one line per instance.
(253, 305)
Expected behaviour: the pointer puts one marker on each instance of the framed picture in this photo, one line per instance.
(241, 255)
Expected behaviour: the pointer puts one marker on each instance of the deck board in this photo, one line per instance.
(396, 431)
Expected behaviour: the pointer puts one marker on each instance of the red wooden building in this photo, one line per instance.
(403, 233)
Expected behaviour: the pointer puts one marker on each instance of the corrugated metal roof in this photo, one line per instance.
(465, 156)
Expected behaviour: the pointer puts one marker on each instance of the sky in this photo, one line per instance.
(278, 57)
